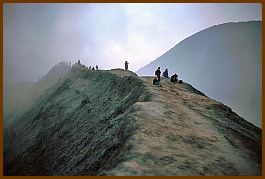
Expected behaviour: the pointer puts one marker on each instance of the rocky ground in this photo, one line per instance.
(183, 132)
(115, 123)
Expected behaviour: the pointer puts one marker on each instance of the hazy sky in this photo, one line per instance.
(37, 36)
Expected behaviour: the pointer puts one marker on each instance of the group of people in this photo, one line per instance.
(173, 78)
(78, 64)
(156, 81)
(93, 68)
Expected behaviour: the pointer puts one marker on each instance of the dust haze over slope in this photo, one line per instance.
(78, 127)
(116, 123)
(20, 96)
(223, 61)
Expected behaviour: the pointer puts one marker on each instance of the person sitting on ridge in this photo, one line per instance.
(155, 81)
(174, 78)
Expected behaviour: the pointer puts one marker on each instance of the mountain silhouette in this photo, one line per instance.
(223, 61)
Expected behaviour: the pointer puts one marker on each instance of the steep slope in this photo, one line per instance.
(15, 97)
(223, 61)
(183, 132)
(115, 123)
(79, 127)
(19, 97)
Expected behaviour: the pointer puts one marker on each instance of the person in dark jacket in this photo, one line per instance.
(126, 65)
(158, 73)
(155, 81)
(174, 78)
(165, 73)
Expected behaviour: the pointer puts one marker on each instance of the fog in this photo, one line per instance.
(37, 36)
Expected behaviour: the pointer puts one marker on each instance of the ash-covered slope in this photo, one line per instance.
(223, 61)
(79, 127)
(19, 97)
(115, 123)
(183, 132)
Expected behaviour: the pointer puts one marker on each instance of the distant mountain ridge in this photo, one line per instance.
(224, 61)
(57, 71)
(20, 95)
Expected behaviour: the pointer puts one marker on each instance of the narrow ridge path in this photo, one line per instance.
(174, 138)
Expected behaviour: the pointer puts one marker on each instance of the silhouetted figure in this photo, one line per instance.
(79, 63)
(174, 78)
(93, 68)
(89, 68)
(158, 73)
(96, 67)
(165, 73)
(126, 65)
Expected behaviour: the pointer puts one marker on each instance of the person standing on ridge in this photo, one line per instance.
(96, 67)
(165, 73)
(126, 65)
(157, 73)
